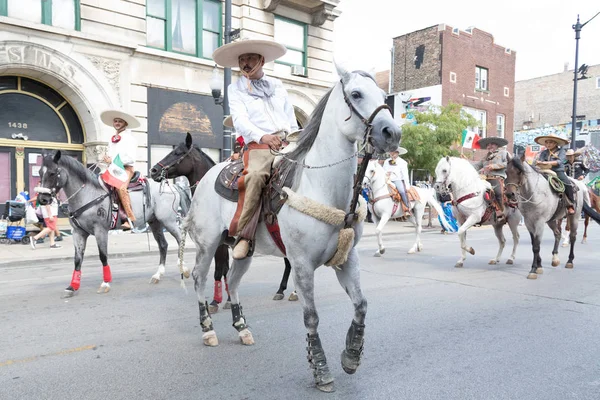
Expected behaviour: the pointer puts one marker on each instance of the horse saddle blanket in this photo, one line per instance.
(118, 212)
(411, 193)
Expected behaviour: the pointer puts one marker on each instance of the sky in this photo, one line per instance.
(540, 31)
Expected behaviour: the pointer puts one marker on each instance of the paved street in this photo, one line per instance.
(433, 331)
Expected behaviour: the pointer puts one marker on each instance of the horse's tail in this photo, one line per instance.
(438, 208)
(589, 211)
(187, 222)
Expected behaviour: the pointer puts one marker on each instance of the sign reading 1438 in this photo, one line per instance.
(19, 125)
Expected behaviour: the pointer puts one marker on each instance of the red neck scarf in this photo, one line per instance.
(116, 138)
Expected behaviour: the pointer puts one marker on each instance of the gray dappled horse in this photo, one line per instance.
(90, 207)
(540, 206)
(188, 160)
(353, 110)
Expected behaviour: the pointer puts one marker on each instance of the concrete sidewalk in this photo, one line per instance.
(126, 244)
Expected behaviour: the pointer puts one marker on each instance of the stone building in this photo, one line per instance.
(62, 62)
(466, 67)
(547, 101)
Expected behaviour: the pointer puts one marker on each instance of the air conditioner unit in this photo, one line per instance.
(298, 70)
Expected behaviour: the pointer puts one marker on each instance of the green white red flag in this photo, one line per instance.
(470, 140)
(115, 175)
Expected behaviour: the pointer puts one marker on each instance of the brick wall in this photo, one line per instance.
(417, 61)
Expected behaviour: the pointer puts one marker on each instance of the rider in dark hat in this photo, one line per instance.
(493, 167)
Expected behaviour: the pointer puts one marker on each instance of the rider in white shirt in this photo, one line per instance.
(397, 171)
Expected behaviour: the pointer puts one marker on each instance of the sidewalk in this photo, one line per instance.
(126, 244)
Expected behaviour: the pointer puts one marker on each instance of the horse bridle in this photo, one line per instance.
(164, 173)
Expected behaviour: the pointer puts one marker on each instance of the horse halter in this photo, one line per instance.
(165, 168)
(368, 122)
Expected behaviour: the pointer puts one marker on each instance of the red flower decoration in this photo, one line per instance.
(116, 138)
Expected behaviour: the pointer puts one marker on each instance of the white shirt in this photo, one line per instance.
(126, 148)
(53, 209)
(253, 117)
(398, 171)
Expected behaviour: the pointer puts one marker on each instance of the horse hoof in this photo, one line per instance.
(493, 262)
(68, 293)
(210, 339)
(278, 296)
(350, 361)
(246, 337)
(382, 250)
(227, 305)
(186, 273)
(327, 387)
(555, 263)
(584, 241)
(539, 271)
(458, 265)
(569, 266)
(377, 254)
(472, 251)
(532, 275)
(104, 288)
(293, 296)
(155, 279)
(412, 251)
(213, 308)
(510, 261)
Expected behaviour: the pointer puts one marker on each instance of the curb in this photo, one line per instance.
(133, 254)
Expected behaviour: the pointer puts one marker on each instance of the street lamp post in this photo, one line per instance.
(577, 27)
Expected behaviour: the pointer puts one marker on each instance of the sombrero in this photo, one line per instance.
(108, 117)
(572, 152)
(542, 139)
(227, 56)
(493, 139)
(400, 151)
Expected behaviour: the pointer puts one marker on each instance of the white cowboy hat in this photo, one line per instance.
(542, 140)
(493, 139)
(108, 116)
(228, 122)
(228, 55)
(400, 151)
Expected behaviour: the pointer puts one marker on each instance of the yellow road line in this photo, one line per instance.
(58, 353)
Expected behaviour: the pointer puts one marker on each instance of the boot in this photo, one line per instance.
(126, 203)
(240, 251)
(218, 295)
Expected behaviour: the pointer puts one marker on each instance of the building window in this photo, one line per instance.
(506, 92)
(453, 77)
(294, 36)
(500, 125)
(59, 13)
(481, 78)
(190, 27)
(481, 117)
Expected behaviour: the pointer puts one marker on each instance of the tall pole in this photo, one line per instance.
(226, 152)
(577, 28)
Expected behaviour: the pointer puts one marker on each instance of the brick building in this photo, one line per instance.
(63, 62)
(464, 67)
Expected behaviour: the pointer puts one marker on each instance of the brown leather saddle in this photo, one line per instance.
(411, 193)
(136, 183)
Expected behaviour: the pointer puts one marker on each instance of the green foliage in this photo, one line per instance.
(437, 134)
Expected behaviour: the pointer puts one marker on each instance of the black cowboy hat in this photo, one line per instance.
(493, 139)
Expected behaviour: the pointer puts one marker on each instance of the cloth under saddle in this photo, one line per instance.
(136, 183)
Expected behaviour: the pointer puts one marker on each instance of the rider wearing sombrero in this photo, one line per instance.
(493, 167)
(262, 114)
(397, 170)
(123, 144)
(574, 166)
(554, 157)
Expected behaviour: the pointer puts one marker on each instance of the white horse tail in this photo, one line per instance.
(438, 208)
(184, 230)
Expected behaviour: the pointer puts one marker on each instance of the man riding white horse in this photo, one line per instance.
(493, 167)
(397, 170)
(262, 115)
(554, 157)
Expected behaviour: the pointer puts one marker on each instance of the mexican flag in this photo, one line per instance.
(470, 140)
(115, 175)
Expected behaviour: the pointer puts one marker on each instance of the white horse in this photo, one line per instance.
(314, 216)
(383, 208)
(468, 190)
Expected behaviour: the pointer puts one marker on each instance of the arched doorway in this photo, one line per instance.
(34, 119)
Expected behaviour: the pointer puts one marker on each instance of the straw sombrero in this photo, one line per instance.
(493, 139)
(227, 56)
(400, 151)
(542, 139)
(108, 117)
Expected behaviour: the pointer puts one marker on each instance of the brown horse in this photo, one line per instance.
(595, 204)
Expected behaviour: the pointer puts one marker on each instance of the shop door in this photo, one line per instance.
(8, 176)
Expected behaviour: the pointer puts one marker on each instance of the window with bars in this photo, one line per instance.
(481, 78)
(294, 36)
(190, 27)
(60, 13)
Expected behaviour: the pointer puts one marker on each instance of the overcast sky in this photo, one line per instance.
(540, 31)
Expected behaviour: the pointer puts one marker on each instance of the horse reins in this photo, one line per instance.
(164, 173)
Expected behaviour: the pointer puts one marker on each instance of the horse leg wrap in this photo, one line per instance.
(218, 295)
(205, 320)
(239, 321)
(107, 274)
(317, 360)
(76, 280)
(354, 347)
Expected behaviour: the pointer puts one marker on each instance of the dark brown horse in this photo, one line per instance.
(189, 161)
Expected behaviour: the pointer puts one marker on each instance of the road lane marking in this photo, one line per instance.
(58, 353)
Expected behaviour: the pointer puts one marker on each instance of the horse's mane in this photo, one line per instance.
(518, 164)
(78, 169)
(468, 172)
(309, 134)
(205, 156)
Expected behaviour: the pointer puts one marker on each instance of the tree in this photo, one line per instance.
(437, 134)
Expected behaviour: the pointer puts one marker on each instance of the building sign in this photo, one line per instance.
(33, 55)
(171, 114)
